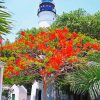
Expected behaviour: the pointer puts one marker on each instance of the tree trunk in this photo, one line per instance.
(45, 91)
(44, 80)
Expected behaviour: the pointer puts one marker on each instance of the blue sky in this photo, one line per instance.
(24, 12)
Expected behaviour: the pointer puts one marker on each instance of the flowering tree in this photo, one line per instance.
(47, 54)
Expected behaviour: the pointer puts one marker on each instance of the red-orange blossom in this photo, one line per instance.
(47, 50)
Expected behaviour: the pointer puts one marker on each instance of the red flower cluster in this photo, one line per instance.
(52, 36)
(22, 33)
(87, 45)
(75, 35)
(96, 47)
(18, 60)
(30, 44)
(31, 37)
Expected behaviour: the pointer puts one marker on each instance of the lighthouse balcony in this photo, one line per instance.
(46, 9)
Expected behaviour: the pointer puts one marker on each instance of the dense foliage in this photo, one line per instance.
(85, 80)
(80, 21)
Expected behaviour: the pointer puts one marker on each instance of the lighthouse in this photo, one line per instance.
(46, 13)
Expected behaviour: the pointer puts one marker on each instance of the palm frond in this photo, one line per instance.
(5, 22)
(87, 79)
(95, 90)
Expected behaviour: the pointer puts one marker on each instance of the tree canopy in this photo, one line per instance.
(46, 50)
(80, 21)
(46, 54)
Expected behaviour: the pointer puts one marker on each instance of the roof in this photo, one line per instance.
(21, 88)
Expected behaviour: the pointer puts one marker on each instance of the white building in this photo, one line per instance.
(37, 91)
(17, 93)
(46, 13)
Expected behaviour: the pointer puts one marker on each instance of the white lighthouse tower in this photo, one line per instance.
(46, 13)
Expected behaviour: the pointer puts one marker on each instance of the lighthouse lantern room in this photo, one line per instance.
(46, 13)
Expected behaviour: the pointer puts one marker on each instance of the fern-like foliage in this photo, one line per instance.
(86, 80)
